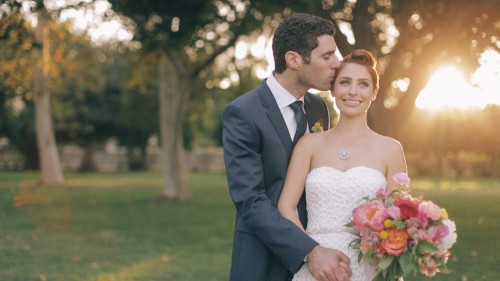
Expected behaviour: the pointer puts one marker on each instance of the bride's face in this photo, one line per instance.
(353, 89)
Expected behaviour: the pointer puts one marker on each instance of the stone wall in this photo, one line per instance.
(200, 159)
(111, 158)
(103, 159)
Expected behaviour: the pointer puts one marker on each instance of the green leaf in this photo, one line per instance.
(385, 263)
(407, 262)
(424, 247)
(379, 277)
(442, 263)
(391, 271)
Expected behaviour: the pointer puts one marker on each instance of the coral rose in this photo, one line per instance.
(370, 214)
(395, 242)
(408, 208)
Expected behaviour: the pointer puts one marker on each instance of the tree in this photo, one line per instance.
(431, 33)
(16, 72)
(186, 38)
(137, 100)
(38, 45)
(72, 84)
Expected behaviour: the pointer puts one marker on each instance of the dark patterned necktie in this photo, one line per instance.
(300, 118)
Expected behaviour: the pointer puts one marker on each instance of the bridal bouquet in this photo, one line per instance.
(402, 234)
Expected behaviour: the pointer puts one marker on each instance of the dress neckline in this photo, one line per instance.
(348, 170)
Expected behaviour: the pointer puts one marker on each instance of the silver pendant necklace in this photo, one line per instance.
(344, 154)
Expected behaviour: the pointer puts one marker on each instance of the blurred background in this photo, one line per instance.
(107, 85)
(125, 86)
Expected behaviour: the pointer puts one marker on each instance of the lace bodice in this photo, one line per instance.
(331, 196)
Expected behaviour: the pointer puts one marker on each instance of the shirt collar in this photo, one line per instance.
(282, 96)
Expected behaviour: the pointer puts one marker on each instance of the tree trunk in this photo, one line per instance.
(50, 164)
(172, 97)
(87, 161)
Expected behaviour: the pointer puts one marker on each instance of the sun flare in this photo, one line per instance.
(449, 88)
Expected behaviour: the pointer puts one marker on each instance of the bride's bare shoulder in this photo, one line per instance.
(388, 144)
(312, 140)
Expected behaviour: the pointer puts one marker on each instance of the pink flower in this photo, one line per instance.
(369, 241)
(423, 220)
(423, 234)
(439, 232)
(401, 179)
(382, 193)
(394, 212)
(370, 214)
(432, 210)
(413, 223)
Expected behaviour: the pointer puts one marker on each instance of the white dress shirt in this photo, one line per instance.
(284, 99)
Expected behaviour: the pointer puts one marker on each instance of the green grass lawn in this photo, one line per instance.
(112, 227)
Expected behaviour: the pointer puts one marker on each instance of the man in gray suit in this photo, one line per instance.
(260, 129)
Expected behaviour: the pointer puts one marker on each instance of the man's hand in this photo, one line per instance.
(327, 264)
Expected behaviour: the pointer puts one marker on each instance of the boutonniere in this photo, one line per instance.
(318, 127)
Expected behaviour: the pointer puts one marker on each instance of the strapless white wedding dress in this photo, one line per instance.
(331, 196)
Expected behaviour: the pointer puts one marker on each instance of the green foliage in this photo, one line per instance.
(425, 247)
(90, 101)
(138, 112)
(102, 91)
(171, 23)
(16, 42)
(386, 262)
(407, 262)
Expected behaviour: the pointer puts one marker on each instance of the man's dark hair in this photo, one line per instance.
(298, 33)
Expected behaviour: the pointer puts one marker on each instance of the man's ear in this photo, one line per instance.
(293, 59)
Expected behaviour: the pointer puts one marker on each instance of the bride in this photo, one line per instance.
(338, 167)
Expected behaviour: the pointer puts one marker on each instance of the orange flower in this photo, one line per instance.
(395, 242)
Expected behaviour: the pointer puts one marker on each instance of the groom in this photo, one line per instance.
(259, 128)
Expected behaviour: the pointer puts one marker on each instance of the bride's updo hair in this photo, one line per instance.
(365, 58)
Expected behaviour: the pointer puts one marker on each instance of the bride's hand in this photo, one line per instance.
(327, 264)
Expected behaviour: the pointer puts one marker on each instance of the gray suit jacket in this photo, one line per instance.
(257, 150)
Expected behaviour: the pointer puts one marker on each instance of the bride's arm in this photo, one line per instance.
(298, 168)
(396, 162)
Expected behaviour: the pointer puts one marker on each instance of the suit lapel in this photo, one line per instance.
(274, 114)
